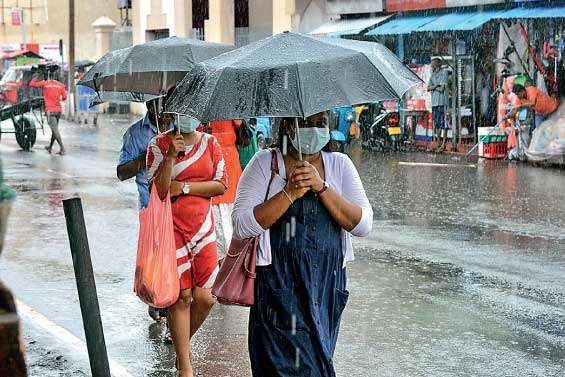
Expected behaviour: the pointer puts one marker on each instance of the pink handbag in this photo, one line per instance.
(235, 283)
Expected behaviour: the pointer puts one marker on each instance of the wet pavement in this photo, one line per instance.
(463, 275)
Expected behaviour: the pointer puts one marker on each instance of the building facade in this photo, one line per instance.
(235, 22)
(47, 21)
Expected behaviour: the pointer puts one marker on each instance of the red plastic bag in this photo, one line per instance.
(156, 277)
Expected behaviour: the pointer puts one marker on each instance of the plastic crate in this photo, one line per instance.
(494, 150)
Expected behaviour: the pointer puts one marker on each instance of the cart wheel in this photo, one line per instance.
(25, 133)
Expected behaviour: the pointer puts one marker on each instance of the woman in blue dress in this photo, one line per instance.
(314, 206)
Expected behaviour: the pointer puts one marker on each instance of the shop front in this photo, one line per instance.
(479, 50)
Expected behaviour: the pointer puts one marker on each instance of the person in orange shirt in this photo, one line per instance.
(222, 206)
(531, 97)
(53, 93)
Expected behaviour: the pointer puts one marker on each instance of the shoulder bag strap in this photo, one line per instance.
(274, 171)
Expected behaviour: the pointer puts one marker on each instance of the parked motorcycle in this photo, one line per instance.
(385, 133)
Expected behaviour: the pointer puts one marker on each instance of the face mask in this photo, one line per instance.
(311, 139)
(188, 124)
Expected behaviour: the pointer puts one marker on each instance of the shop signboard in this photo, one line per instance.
(17, 16)
(471, 3)
(401, 5)
(24, 60)
(406, 5)
(50, 51)
(353, 6)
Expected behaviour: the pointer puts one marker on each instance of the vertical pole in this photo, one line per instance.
(24, 41)
(454, 85)
(86, 287)
(400, 47)
(72, 56)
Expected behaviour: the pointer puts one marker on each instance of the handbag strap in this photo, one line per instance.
(274, 171)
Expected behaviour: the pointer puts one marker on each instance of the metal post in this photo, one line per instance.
(453, 93)
(24, 41)
(72, 57)
(400, 47)
(86, 287)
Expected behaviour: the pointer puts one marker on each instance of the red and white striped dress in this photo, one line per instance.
(195, 238)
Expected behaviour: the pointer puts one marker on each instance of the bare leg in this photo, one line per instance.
(49, 148)
(200, 308)
(57, 135)
(179, 320)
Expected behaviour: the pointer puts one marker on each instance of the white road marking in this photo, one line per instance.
(59, 173)
(62, 334)
(437, 165)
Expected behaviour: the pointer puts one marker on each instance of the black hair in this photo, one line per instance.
(518, 89)
(282, 134)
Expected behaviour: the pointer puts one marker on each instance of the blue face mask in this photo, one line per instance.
(311, 139)
(188, 124)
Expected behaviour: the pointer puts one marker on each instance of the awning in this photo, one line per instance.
(534, 12)
(462, 21)
(337, 28)
(17, 54)
(401, 25)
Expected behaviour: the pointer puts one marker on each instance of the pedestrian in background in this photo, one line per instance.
(438, 85)
(225, 133)
(192, 180)
(53, 93)
(305, 228)
(131, 162)
(247, 145)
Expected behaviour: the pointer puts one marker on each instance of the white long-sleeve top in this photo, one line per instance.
(341, 175)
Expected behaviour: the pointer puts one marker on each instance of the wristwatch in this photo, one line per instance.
(185, 188)
(324, 188)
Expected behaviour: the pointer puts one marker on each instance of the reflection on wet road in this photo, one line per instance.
(464, 274)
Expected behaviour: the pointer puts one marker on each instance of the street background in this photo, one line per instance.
(463, 274)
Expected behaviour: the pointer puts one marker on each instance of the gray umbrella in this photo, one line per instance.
(290, 75)
(151, 67)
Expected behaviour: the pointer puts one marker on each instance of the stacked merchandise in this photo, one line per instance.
(548, 140)
(492, 143)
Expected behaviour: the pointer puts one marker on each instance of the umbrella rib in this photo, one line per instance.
(300, 100)
(386, 81)
(207, 112)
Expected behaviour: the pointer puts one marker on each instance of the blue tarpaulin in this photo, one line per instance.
(463, 21)
(534, 12)
(460, 21)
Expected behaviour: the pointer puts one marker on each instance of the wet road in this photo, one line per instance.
(464, 274)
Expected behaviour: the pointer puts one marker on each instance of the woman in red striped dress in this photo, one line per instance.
(192, 181)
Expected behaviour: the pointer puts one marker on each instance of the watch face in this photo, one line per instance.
(185, 189)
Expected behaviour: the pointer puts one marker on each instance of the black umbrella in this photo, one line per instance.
(149, 68)
(290, 75)
(102, 97)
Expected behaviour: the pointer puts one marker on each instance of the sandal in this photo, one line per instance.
(155, 313)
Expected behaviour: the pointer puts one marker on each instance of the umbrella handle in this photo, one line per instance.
(298, 139)
(181, 154)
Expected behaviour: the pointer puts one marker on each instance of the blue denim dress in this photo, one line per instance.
(300, 297)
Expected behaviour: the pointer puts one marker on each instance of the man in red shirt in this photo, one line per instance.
(53, 93)
(531, 97)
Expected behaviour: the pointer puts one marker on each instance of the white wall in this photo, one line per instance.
(314, 15)
(260, 19)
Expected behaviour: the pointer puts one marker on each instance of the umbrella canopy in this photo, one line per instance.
(151, 67)
(102, 97)
(290, 75)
